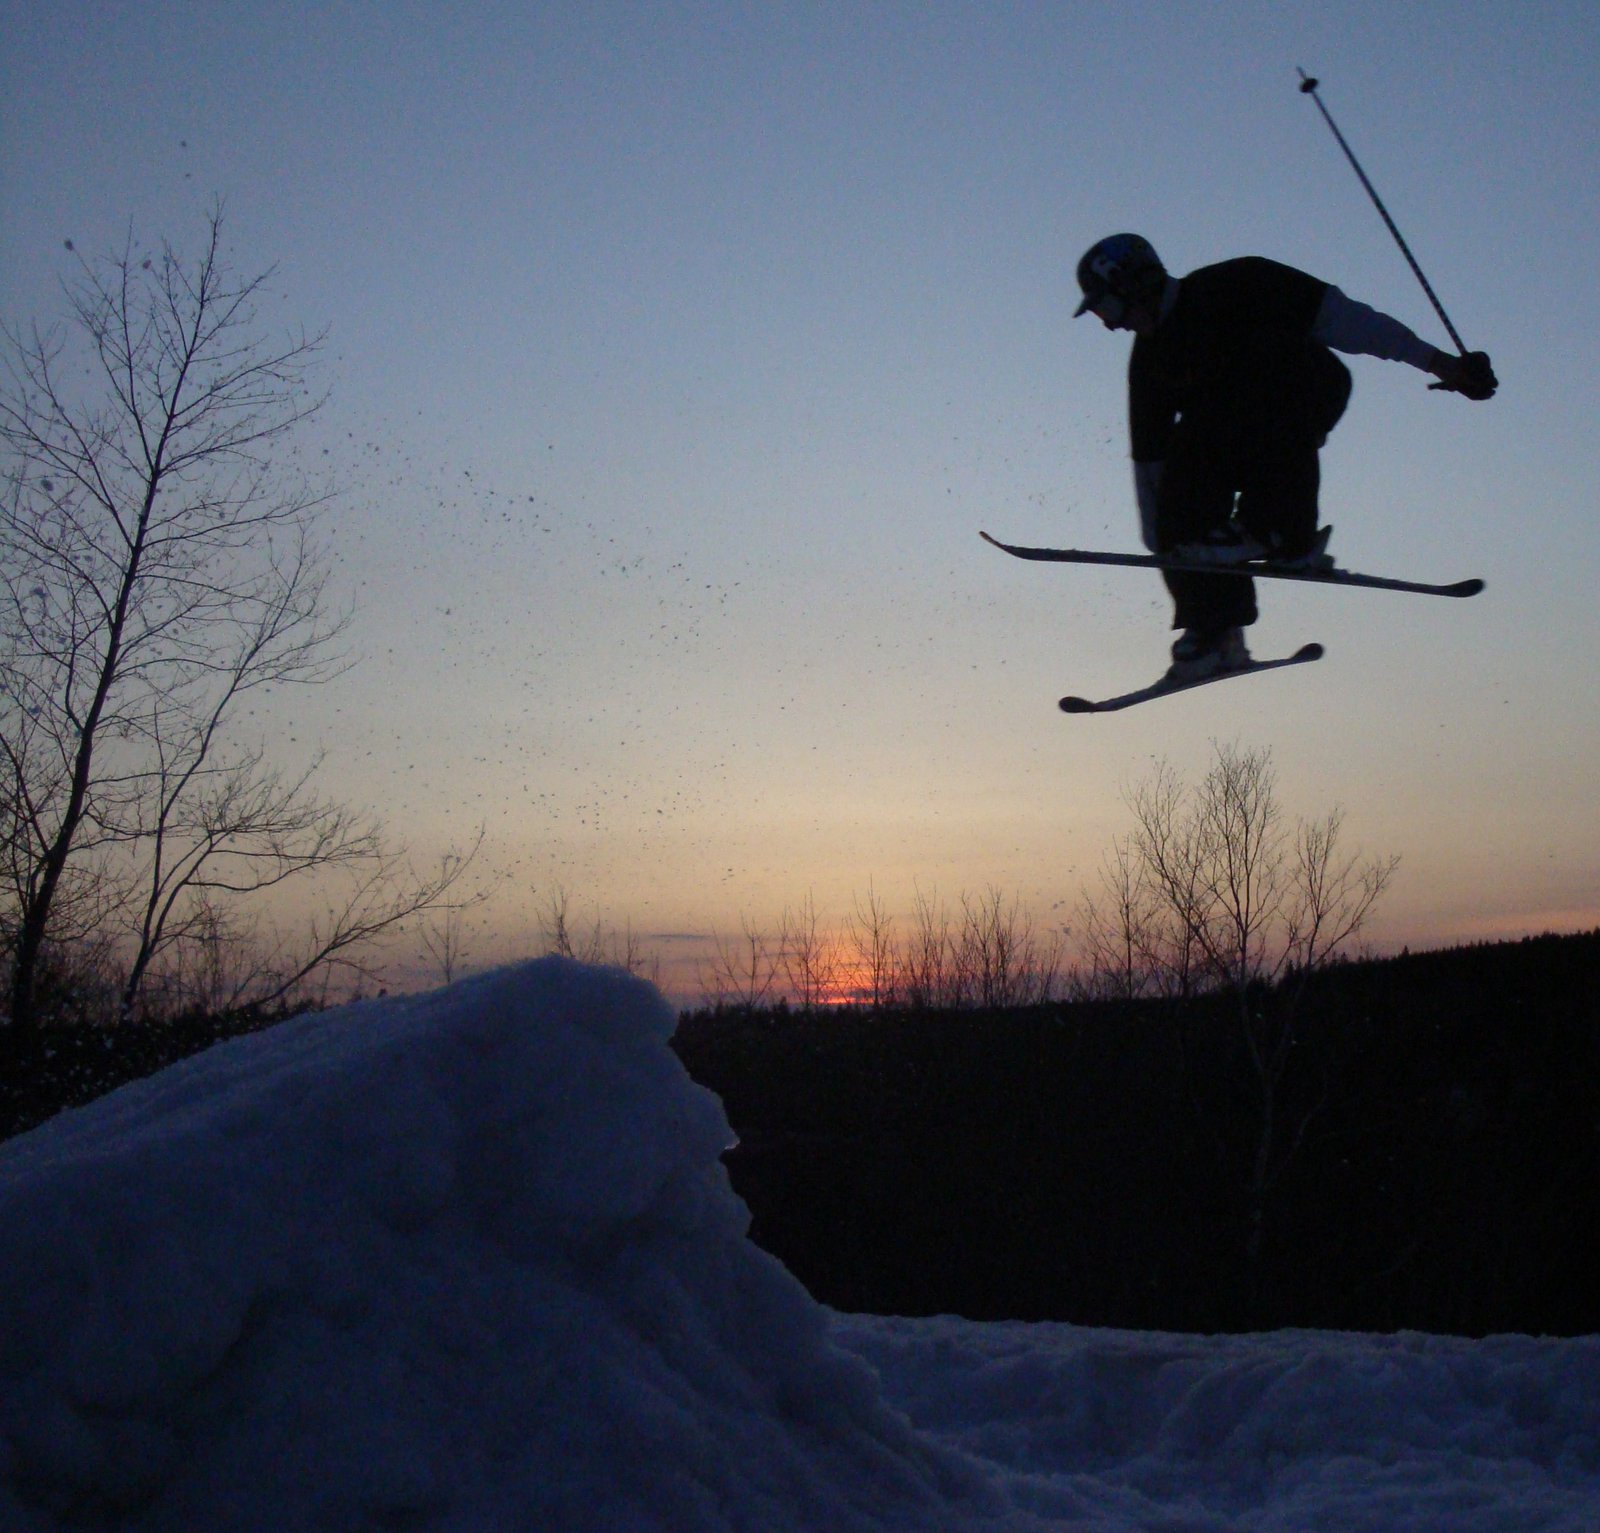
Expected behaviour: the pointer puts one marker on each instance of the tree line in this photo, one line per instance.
(1214, 889)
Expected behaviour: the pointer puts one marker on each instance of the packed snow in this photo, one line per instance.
(470, 1261)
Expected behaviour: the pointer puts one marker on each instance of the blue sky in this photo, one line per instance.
(679, 352)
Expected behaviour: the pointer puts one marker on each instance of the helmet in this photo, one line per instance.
(1122, 266)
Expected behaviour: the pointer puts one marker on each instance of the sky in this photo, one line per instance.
(679, 352)
(492, 1275)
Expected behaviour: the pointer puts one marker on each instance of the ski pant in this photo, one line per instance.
(1247, 451)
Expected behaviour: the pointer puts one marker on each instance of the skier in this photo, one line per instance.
(1232, 390)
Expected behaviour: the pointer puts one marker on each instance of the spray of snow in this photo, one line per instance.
(470, 1260)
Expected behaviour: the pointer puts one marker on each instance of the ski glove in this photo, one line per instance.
(1470, 375)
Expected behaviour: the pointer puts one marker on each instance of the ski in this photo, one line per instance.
(1259, 567)
(1165, 687)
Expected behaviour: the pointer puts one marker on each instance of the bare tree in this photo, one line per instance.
(807, 955)
(444, 939)
(1172, 870)
(161, 568)
(1215, 889)
(1212, 891)
(445, 930)
(380, 892)
(741, 974)
(927, 977)
(627, 951)
(871, 930)
(1123, 934)
(621, 949)
(559, 938)
(1333, 894)
(1001, 958)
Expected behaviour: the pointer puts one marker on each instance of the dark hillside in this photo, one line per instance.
(1433, 1159)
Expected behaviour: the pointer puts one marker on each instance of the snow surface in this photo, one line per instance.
(470, 1261)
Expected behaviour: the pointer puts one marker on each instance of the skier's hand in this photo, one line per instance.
(1470, 375)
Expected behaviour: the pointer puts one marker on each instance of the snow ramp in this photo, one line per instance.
(464, 1260)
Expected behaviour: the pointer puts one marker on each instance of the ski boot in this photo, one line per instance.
(1200, 652)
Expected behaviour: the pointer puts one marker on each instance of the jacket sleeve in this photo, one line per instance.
(1353, 327)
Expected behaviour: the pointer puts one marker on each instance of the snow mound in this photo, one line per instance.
(463, 1260)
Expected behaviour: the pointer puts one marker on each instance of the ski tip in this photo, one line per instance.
(1465, 588)
(1078, 705)
(1311, 651)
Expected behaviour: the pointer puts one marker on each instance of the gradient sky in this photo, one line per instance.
(679, 351)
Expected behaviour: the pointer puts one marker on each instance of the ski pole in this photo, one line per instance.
(1308, 87)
